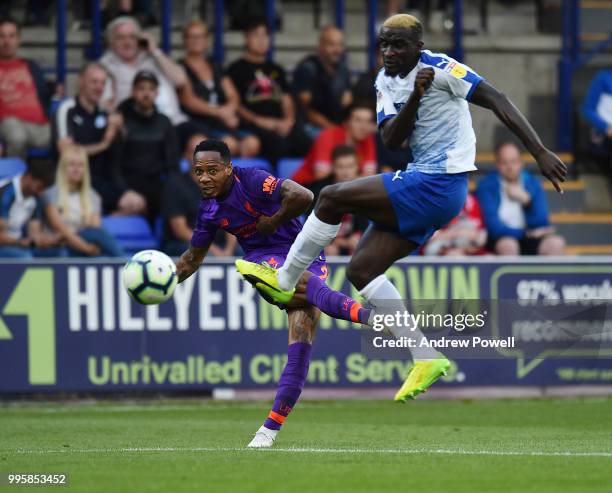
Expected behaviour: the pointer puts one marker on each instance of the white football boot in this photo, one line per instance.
(264, 438)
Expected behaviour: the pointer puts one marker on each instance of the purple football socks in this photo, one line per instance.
(335, 304)
(290, 384)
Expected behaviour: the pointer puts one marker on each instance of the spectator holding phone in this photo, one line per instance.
(131, 51)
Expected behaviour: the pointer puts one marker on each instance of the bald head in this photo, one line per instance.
(331, 45)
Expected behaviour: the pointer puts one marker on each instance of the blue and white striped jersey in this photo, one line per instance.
(443, 140)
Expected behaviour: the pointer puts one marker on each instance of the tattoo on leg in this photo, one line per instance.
(303, 324)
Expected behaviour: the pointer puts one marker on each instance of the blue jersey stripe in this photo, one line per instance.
(8, 197)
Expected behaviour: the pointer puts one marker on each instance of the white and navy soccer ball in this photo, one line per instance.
(150, 277)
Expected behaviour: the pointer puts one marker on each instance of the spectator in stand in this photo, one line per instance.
(365, 92)
(266, 104)
(464, 235)
(131, 51)
(358, 130)
(180, 203)
(24, 96)
(345, 167)
(72, 208)
(149, 150)
(209, 97)
(514, 208)
(322, 82)
(81, 120)
(597, 109)
(20, 213)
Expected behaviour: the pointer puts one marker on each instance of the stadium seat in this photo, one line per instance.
(40, 152)
(288, 166)
(11, 166)
(255, 162)
(132, 232)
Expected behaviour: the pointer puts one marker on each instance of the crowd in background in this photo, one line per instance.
(124, 144)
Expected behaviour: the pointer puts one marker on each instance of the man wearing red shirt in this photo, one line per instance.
(23, 96)
(357, 130)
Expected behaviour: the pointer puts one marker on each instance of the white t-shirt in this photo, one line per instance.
(510, 211)
(167, 100)
(604, 108)
(73, 216)
(443, 140)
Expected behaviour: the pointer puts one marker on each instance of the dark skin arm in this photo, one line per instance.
(399, 128)
(487, 96)
(188, 263)
(295, 201)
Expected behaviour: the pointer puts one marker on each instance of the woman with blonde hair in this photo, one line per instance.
(72, 208)
(210, 98)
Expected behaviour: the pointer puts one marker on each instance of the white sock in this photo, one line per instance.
(385, 298)
(315, 236)
(268, 431)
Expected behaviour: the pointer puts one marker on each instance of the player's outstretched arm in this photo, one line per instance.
(491, 98)
(295, 200)
(190, 261)
(399, 128)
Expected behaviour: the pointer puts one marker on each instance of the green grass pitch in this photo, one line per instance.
(547, 445)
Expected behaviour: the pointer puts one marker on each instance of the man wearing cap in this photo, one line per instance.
(149, 151)
(131, 50)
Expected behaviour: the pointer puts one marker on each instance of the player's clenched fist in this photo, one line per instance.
(423, 80)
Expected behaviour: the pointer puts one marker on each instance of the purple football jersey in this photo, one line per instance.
(254, 193)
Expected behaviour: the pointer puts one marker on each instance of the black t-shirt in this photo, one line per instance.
(364, 91)
(260, 85)
(73, 120)
(326, 88)
(181, 197)
(210, 91)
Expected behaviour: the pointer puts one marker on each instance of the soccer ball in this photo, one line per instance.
(150, 277)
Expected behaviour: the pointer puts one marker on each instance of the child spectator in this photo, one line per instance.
(345, 167)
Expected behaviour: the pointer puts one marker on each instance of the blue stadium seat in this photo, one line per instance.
(132, 232)
(39, 152)
(288, 166)
(252, 162)
(11, 166)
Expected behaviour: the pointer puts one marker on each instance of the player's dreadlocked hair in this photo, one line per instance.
(405, 21)
(214, 145)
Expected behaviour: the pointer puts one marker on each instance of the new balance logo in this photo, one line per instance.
(269, 185)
